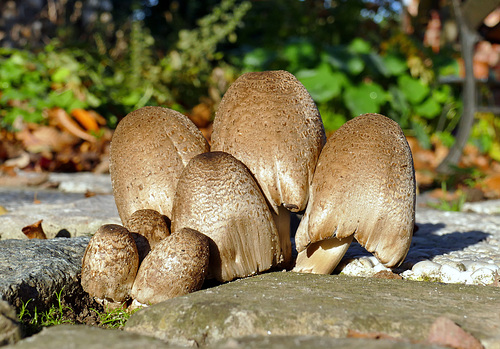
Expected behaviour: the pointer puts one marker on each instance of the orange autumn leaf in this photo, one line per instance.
(86, 119)
(34, 231)
(68, 124)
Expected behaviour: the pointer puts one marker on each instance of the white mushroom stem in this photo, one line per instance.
(323, 256)
(282, 221)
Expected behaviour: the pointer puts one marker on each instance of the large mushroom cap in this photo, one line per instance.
(268, 121)
(217, 196)
(110, 264)
(149, 149)
(364, 185)
(175, 266)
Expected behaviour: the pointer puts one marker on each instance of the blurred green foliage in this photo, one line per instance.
(350, 55)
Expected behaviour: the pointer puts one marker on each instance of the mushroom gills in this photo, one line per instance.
(363, 186)
(282, 221)
(322, 257)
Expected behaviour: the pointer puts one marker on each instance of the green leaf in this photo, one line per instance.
(258, 58)
(421, 134)
(322, 83)
(429, 108)
(359, 45)
(61, 75)
(365, 98)
(395, 64)
(299, 54)
(414, 90)
(331, 120)
(342, 59)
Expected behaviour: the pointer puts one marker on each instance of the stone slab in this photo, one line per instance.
(36, 269)
(83, 337)
(67, 217)
(287, 303)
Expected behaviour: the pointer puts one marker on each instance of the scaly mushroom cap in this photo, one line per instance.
(149, 149)
(364, 185)
(268, 121)
(176, 266)
(217, 196)
(148, 227)
(110, 264)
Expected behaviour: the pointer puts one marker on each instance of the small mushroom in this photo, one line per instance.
(149, 149)
(110, 264)
(363, 187)
(269, 121)
(176, 266)
(217, 196)
(148, 227)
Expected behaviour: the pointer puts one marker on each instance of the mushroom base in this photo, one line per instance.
(323, 256)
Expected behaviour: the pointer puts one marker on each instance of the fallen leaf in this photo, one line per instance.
(86, 119)
(200, 115)
(68, 124)
(22, 181)
(447, 333)
(3, 210)
(34, 231)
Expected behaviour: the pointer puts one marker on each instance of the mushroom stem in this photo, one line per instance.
(323, 256)
(282, 221)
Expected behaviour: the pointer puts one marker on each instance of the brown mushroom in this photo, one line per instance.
(148, 227)
(149, 149)
(217, 196)
(176, 266)
(110, 264)
(268, 121)
(363, 187)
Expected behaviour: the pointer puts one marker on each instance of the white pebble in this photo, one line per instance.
(450, 274)
(426, 268)
(483, 276)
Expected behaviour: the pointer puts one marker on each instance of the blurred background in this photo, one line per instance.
(71, 69)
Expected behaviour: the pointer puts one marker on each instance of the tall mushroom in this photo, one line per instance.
(217, 196)
(149, 149)
(268, 121)
(176, 266)
(363, 187)
(110, 264)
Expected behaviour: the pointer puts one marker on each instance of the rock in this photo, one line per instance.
(67, 217)
(36, 269)
(10, 331)
(287, 304)
(86, 337)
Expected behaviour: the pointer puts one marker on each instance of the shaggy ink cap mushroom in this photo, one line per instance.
(176, 266)
(269, 121)
(149, 149)
(148, 227)
(110, 264)
(363, 187)
(217, 196)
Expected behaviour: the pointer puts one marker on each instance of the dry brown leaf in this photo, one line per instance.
(34, 231)
(68, 124)
(86, 119)
(491, 185)
(17, 181)
(447, 333)
(201, 114)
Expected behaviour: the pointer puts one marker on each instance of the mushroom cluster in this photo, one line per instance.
(190, 212)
